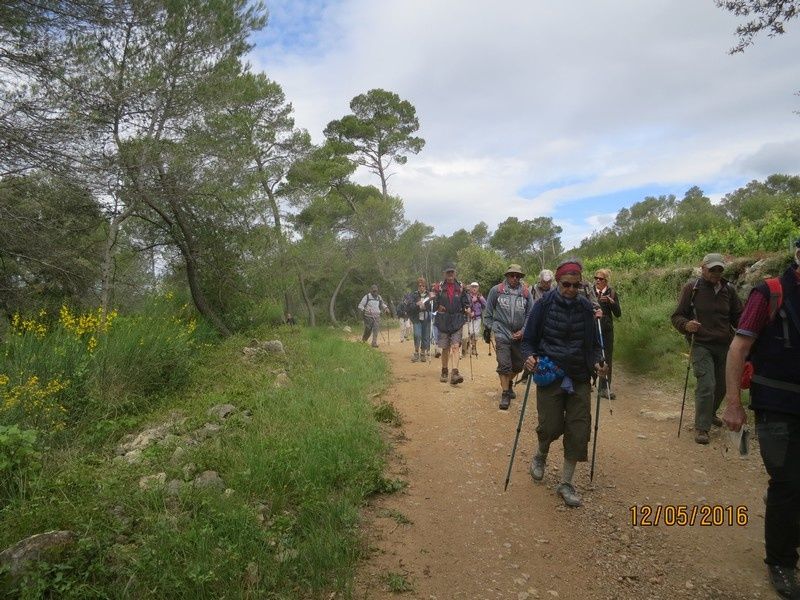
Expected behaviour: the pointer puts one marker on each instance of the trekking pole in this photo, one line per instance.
(597, 403)
(469, 349)
(686, 383)
(519, 428)
(603, 354)
(430, 338)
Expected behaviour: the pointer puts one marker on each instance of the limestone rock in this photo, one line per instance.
(282, 380)
(206, 431)
(209, 479)
(178, 456)
(15, 557)
(151, 482)
(273, 346)
(174, 487)
(221, 411)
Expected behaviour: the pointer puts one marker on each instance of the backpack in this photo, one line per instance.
(501, 289)
(775, 306)
(401, 311)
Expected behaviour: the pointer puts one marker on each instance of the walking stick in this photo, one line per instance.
(519, 428)
(686, 383)
(469, 349)
(597, 402)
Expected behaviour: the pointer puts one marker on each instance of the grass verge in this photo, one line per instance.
(296, 463)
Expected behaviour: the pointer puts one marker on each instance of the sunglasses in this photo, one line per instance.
(566, 285)
(514, 275)
(716, 269)
(599, 278)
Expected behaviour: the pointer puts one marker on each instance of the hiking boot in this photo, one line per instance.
(374, 345)
(716, 421)
(701, 437)
(512, 394)
(423, 357)
(784, 581)
(569, 495)
(437, 353)
(415, 357)
(537, 467)
(505, 400)
(443, 376)
(455, 377)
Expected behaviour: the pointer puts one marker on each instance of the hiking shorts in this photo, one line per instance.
(509, 356)
(448, 340)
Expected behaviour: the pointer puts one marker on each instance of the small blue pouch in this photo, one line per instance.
(547, 372)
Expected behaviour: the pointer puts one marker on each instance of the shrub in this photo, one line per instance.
(83, 367)
(17, 454)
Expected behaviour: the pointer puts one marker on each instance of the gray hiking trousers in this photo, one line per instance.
(371, 324)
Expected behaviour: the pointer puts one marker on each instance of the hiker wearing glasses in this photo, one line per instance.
(769, 336)
(707, 314)
(609, 303)
(371, 307)
(561, 348)
(507, 308)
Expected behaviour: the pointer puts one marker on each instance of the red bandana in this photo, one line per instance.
(566, 268)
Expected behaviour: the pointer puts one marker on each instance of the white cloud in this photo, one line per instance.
(602, 96)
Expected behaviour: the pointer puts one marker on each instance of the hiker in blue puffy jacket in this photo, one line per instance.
(507, 308)
(562, 328)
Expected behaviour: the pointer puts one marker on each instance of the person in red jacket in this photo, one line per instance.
(452, 301)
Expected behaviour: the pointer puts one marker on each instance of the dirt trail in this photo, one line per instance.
(466, 538)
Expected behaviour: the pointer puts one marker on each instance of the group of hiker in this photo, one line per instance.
(552, 331)
(560, 333)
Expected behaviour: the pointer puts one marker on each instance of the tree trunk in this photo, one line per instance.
(332, 305)
(108, 257)
(312, 317)
(199, 298)
(186, 245)
(382, 175)
(273, 201)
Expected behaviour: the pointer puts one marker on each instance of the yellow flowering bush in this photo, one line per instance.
(33, 403)
(20, 326)
(61, 369)
(87, 325)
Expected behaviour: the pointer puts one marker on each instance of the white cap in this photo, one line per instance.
(474, 283)
(546, 275)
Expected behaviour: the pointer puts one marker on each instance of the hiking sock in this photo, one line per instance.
(568, 471)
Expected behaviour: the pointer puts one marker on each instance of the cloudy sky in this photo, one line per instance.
(544, 107)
